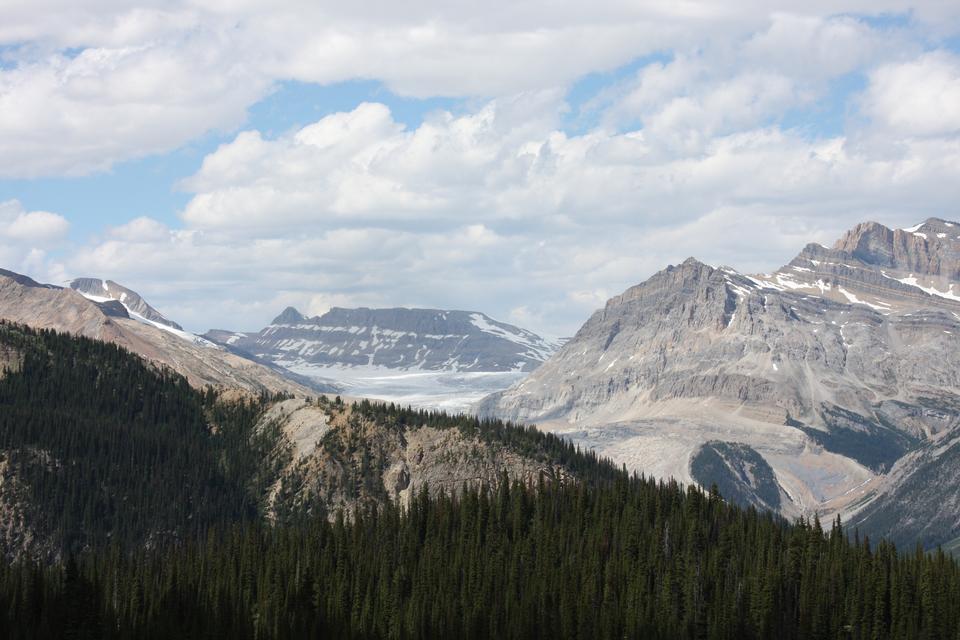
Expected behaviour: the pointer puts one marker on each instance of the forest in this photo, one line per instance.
(145, 491)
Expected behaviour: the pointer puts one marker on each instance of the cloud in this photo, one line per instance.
(363, 167)
(920, 97)
(27, 237)
(38, 229)
(70, 115)
(84, 86)
(497, 210)
(142, 229)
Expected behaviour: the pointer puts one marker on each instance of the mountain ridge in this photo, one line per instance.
(25, 301)
(396, 337)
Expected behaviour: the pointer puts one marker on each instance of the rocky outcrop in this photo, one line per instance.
(931, 248)
(336, 456)
(920, 499)
(739, 473)
(400, 338)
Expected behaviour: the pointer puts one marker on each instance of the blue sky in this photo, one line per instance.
(521, 162)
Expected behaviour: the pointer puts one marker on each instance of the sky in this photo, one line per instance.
(229, 158)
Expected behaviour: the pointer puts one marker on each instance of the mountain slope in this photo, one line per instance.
(422, 339)
(49, 307)
(832, 368)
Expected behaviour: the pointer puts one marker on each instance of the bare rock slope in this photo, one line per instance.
(831, 370)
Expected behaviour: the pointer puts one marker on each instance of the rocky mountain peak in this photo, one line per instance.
(818, 377)
(289, 316)
(25, 281)
(931, 248)
(689, 274)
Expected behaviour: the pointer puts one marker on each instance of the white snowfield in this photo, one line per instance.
(450, 391)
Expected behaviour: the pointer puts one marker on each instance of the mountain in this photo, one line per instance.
(101, 291)
(400, 338)
(44, 306)
(822, 387)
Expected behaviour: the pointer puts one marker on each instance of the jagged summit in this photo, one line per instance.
(931, 248)
(25, 301)
(26, 281)
(289, 316)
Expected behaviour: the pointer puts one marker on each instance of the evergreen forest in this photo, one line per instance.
(138, 500)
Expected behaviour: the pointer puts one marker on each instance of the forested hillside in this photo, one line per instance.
(624, 558)
(132, 507)
(100, 447)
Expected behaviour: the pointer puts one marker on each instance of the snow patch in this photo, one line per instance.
(184, 335)
(855, 300)
(912, 281)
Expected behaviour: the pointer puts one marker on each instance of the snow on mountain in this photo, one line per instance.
(423, 357)
(101, 291)
(400, 338)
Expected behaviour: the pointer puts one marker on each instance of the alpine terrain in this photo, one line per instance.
(830, 386)
(112, 313)
(424, 357)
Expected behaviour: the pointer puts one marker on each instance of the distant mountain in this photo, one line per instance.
(120, 320)
(400, 338)
(101, 291)
(823, 387)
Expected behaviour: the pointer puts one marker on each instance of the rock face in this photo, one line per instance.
(42, 306)
(339, 457)
(832, 369)
(399, 338)
(102, 291)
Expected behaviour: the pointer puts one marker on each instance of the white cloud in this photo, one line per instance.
(90, 84)
(38, 229)
(75, 115)
(27, 237)
(480, 214)
(920, 97)
(141, 229)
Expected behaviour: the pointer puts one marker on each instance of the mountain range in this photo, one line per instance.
(399, 338)
(829, 386)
